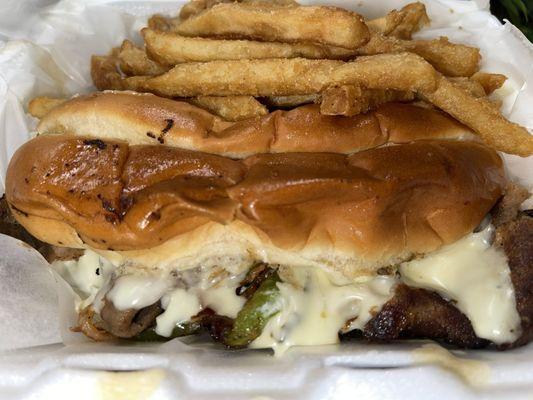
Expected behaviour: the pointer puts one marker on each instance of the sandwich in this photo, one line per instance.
(289, 228)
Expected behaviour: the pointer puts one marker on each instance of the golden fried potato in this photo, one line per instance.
(470, 85)
(401, 24)
(291, 101)
(159, 22)
(287, 77)
(489, 82)
(449, 58)
(40, 106)
(105, 74)
(231, 108)
(400, 71)
(134, 61)
(320, 25)
(197, 6)
(482, 117)
(349, 100)
(170, 49)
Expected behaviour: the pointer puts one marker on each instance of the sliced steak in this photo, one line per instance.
(516, 238)
(508, 207)
(9, 226)
(128, 323)
(418, 313)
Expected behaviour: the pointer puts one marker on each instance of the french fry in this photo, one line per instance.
(286, 77)
(448, 58)
(401, 24)
(320, 25)
(470, 85)
(104, 73)
(489, 82)
(482, 117)
(159, 22)
(291, 101)
(349, 100)
(232, 108)
(401, 71)
(134, 61)
(40, 106)
(170, 49)
(270, 77)
(197, 6)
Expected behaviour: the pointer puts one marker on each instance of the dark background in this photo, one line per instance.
(518, 12)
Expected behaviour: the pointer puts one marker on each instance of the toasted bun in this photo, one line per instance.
(172, 208)
(148, 119)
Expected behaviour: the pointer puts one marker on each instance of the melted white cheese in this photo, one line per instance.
(87, 275)
(477, 277)
(138, 291)
(316, 314)
(315, 307)
(179, 305)
(223, 300)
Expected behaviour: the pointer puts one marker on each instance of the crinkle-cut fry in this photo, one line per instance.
(170, 49)
(134, 61)
(448, 58)
(196, 6)
(403, 23)
(40, 106)
(483, 118)
(489, 82)
(350, 100)
(286, 77)
(231, 108)
(291, 101)
(315, 24)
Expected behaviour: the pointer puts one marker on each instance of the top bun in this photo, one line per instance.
(149, 119)
(351, 213)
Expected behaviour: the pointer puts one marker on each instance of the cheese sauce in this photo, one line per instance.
(179, 305)
(476, 276)
(315, 314)
(86, 275)
(138, 291)
(315, 307)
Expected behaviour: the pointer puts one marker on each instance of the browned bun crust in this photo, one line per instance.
(148, 119)
(369, 209)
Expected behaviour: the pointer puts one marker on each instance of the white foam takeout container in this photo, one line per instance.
(45, 46)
